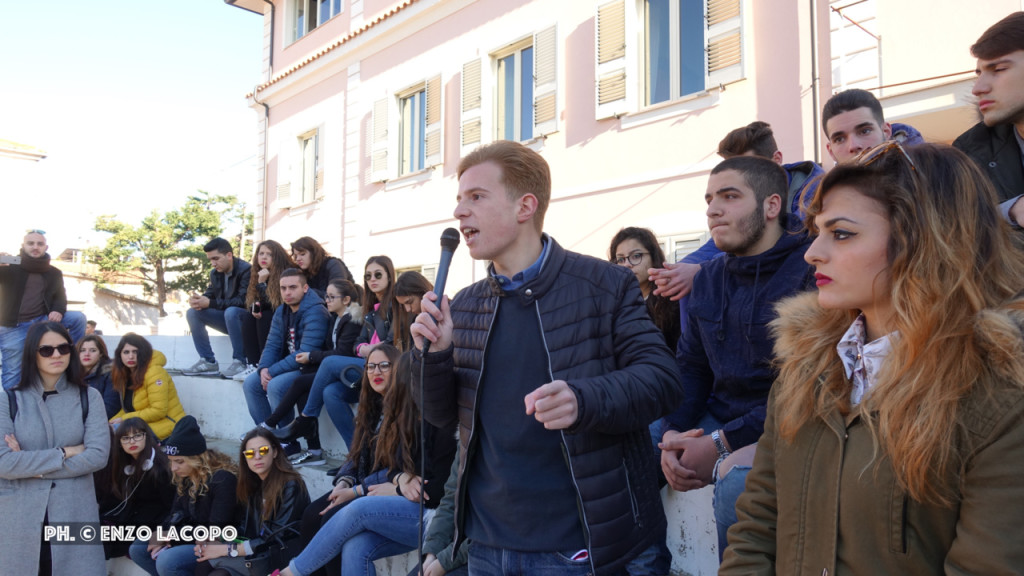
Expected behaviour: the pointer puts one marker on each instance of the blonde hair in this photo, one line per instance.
(951, 259)
(203, 468)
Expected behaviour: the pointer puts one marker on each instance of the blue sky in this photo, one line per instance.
(137, 104)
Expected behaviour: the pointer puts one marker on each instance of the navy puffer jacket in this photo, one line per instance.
(601, 341)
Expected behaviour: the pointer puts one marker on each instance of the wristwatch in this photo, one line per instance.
(719, 444)
(232, 550)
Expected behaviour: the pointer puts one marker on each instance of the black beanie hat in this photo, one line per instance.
(185, 439)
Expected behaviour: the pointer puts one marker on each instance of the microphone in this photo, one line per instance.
(449, 242)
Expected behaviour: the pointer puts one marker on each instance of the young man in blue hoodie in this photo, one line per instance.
(725, 352)
(299, 325)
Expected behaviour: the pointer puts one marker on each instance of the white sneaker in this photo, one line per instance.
(201, 368)
(242, 374)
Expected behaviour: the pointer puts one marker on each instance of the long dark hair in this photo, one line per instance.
(410, 283)
(371, 407)
(278, 475)
(279, 261)
(74, 373)
(399, 430)
(132, 378)
(100, 345)
(121, 477)
(317, 254)
(662, 309)
(369, 298)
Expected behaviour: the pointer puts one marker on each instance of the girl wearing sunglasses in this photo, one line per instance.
(383, 520)
(894, 439)
(92, 352)
(205, 482)
(140, 492)
(51, 448)
(143, 386)
(273, 496)
(335, 382)
(378, 288)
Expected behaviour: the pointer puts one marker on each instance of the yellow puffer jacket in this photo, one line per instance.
(157, 401)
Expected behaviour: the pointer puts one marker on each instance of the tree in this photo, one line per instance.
(164, 252)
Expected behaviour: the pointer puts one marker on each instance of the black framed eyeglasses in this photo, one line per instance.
(384, 367)
(60, 349)
(329, 298)
(138, 437)
(634, 259)
(250, 453)
(377, 275)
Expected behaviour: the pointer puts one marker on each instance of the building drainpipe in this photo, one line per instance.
(815, 86)
(266, 121)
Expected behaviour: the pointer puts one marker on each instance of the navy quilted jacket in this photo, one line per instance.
(601, 341)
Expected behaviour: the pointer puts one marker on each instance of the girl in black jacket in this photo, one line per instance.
(92, 352)
(140, 491)
(272, 496)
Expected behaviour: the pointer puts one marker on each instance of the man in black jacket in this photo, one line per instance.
(221, 307)
(996, 143)
(554, 371)
(30, 292)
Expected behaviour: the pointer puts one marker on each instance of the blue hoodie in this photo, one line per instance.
(725, 352)
(310, 324)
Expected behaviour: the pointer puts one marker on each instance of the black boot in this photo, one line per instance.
(301, 427)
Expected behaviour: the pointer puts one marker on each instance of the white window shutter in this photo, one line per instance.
(321, 160)
(471, 130)
(545, 82)
(379, 152)
(611, 89)
(433, 145)
(725, 41)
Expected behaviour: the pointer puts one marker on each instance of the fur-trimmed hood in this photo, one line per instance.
(803, 328)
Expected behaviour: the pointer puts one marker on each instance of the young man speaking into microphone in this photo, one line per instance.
(554, 371)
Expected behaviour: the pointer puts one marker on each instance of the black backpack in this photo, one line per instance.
(12, 402)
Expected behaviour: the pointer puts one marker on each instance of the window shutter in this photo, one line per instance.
(320, 161)
(379, 151)
(725, 41)
(472, 106)
(432, 136)
(545, 82)
(611, 60)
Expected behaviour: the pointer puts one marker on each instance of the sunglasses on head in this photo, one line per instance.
(250, 453)
(61, 350)
(375, 275)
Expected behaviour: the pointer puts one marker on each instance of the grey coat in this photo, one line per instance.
(37, 481)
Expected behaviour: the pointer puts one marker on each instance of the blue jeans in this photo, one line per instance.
(12, 343)
(365, 530)
(259, 400)
(656, 560)
(228, 321)
(336, 386)
(487, 561)
(727, 491)
(177, 560)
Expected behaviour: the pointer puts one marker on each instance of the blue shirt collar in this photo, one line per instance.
(520, 278)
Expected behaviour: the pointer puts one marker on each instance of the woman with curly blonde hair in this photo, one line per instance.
(205, 482)
(894, 442)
